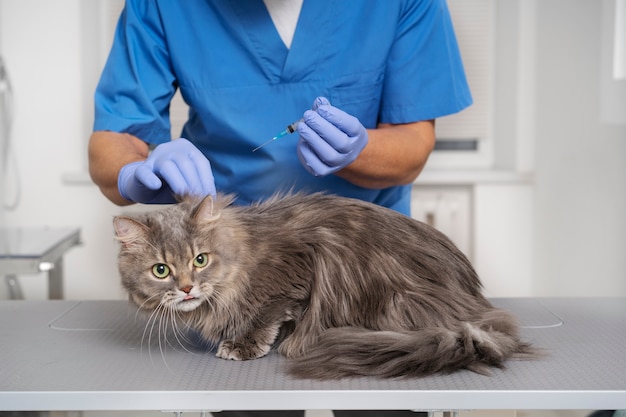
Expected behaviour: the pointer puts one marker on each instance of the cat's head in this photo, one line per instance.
(178, 257)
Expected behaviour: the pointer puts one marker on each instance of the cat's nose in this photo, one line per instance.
(187, 289)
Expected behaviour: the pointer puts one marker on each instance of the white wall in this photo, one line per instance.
(579, 195)
(41, 43)
(580, 191)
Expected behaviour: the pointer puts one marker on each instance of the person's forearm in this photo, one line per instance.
(108, 153)
(394, 155)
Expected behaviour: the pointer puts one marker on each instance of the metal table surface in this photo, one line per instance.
(100, 355)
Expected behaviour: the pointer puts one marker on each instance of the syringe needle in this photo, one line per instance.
(290, 129)
(262, 145)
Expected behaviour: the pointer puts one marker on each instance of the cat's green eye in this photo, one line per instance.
(201, 260)
(161, 271)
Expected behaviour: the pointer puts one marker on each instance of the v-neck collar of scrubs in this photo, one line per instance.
(278, 62)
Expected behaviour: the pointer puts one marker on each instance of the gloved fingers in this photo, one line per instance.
(147, 177)
(181, 176)
(204, 173)
(321, 137)
(320, 101)
(169, 172)
(338, 140)
(195, 167)
(165, 150)
(183, 168)
(341, 130)
(311, 162)
(345, 122)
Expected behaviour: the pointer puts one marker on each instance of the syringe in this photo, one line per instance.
(289, 130)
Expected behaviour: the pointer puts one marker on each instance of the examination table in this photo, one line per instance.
(99, 355)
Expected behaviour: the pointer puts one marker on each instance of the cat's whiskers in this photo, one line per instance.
(184, 333)
(152, 318)
(208, 296)
(155, 320)
(181, 334)
(142, 306)
(167, 320)
(159, 319)
(166, 315)
(162, 333)
(221, 303)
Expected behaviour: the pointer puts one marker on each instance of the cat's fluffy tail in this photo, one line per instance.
(351, 351)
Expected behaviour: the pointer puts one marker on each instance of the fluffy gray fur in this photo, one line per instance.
(339, 286)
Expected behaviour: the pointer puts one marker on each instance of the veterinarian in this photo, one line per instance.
(386, 69)
(368, 77)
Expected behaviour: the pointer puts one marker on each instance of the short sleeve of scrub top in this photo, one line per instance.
(382, 62)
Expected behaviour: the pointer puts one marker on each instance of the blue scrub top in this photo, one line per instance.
(381, 61)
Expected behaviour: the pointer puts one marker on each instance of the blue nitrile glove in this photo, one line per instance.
(172, 168)
(330, 139)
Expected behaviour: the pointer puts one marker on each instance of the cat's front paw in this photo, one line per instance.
(241, 351)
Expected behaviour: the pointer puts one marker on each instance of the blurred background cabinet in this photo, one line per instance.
(489, 217)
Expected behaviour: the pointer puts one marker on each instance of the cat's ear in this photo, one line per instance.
(206, 211)
(129, 231)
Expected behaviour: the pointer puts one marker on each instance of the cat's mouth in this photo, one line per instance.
(188, 303)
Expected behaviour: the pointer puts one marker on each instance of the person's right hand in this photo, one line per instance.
(173, 168)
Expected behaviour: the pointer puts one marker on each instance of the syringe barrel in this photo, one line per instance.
(292, 127)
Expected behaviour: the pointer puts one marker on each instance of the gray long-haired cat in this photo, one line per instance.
(339, 286)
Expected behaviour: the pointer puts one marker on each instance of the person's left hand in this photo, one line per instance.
(330, 139)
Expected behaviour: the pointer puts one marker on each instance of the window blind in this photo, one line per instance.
(473, 24)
